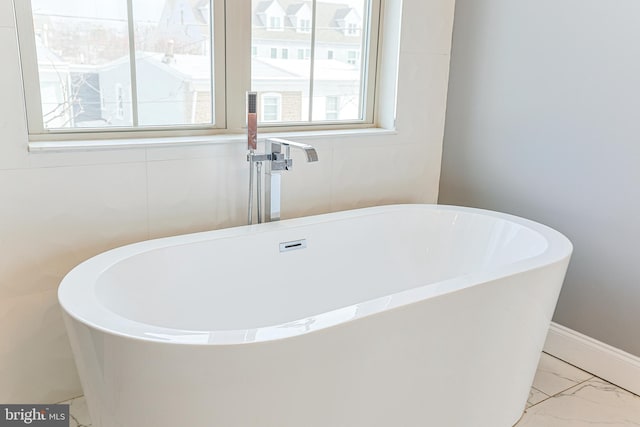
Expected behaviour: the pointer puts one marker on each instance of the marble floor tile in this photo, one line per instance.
(554, 375)
(593, 403)
(535, 397)
(78, 411)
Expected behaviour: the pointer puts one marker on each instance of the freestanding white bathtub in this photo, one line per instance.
(394, 316)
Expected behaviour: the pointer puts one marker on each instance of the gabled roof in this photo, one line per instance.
(197, 67)
(327, 17)
(342, 13)
(293, 69)
(294, 8)
(263, 6)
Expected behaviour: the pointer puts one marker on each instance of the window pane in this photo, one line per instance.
(337, 66)
(289, 75)
(85, 69)
(340, 30)
(75, 41)
(173, 62)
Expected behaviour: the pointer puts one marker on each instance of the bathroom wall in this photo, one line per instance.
(58, 209)
(543, 121)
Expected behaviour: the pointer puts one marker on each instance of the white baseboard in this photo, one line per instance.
(602, 360)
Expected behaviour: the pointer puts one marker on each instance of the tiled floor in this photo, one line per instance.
(565, 396)
(562, 396)
(79, 412)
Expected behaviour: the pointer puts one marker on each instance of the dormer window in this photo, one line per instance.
(275, 23)
(271, 15)
(304, 25)
(300, 15)
(349, 22)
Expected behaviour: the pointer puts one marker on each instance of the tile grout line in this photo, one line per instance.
(549, 398)
(558, 393)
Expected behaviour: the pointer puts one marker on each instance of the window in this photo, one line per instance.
(304, 25)
(271, 107)
(119, 101)
(352, 29)
(331, 108)
(275, 23)
(127, 68)
(352, 57)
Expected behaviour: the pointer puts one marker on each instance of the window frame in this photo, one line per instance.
(231, 24)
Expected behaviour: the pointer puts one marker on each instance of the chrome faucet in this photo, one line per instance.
(279, 162)
(276, 162)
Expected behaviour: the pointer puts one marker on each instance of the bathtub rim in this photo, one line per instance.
(82, 305)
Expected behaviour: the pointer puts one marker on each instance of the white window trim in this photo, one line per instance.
(229, 99)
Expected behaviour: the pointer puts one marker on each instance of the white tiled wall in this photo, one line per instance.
(57, 209)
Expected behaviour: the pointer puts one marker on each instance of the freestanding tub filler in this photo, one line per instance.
(393, 316)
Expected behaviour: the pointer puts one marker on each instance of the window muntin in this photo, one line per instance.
(226, 102)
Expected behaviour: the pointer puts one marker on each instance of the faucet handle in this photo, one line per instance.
(280, 161)
(312, 155)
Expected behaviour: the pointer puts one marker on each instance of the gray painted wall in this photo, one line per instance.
(543, 121)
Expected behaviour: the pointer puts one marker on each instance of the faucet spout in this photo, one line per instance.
(311, 153)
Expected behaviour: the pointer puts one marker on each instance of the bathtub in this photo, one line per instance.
(394, 316)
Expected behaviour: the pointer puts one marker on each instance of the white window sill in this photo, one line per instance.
(185, 141)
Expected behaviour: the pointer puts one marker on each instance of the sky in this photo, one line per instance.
(145, 10)
(112, 9)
